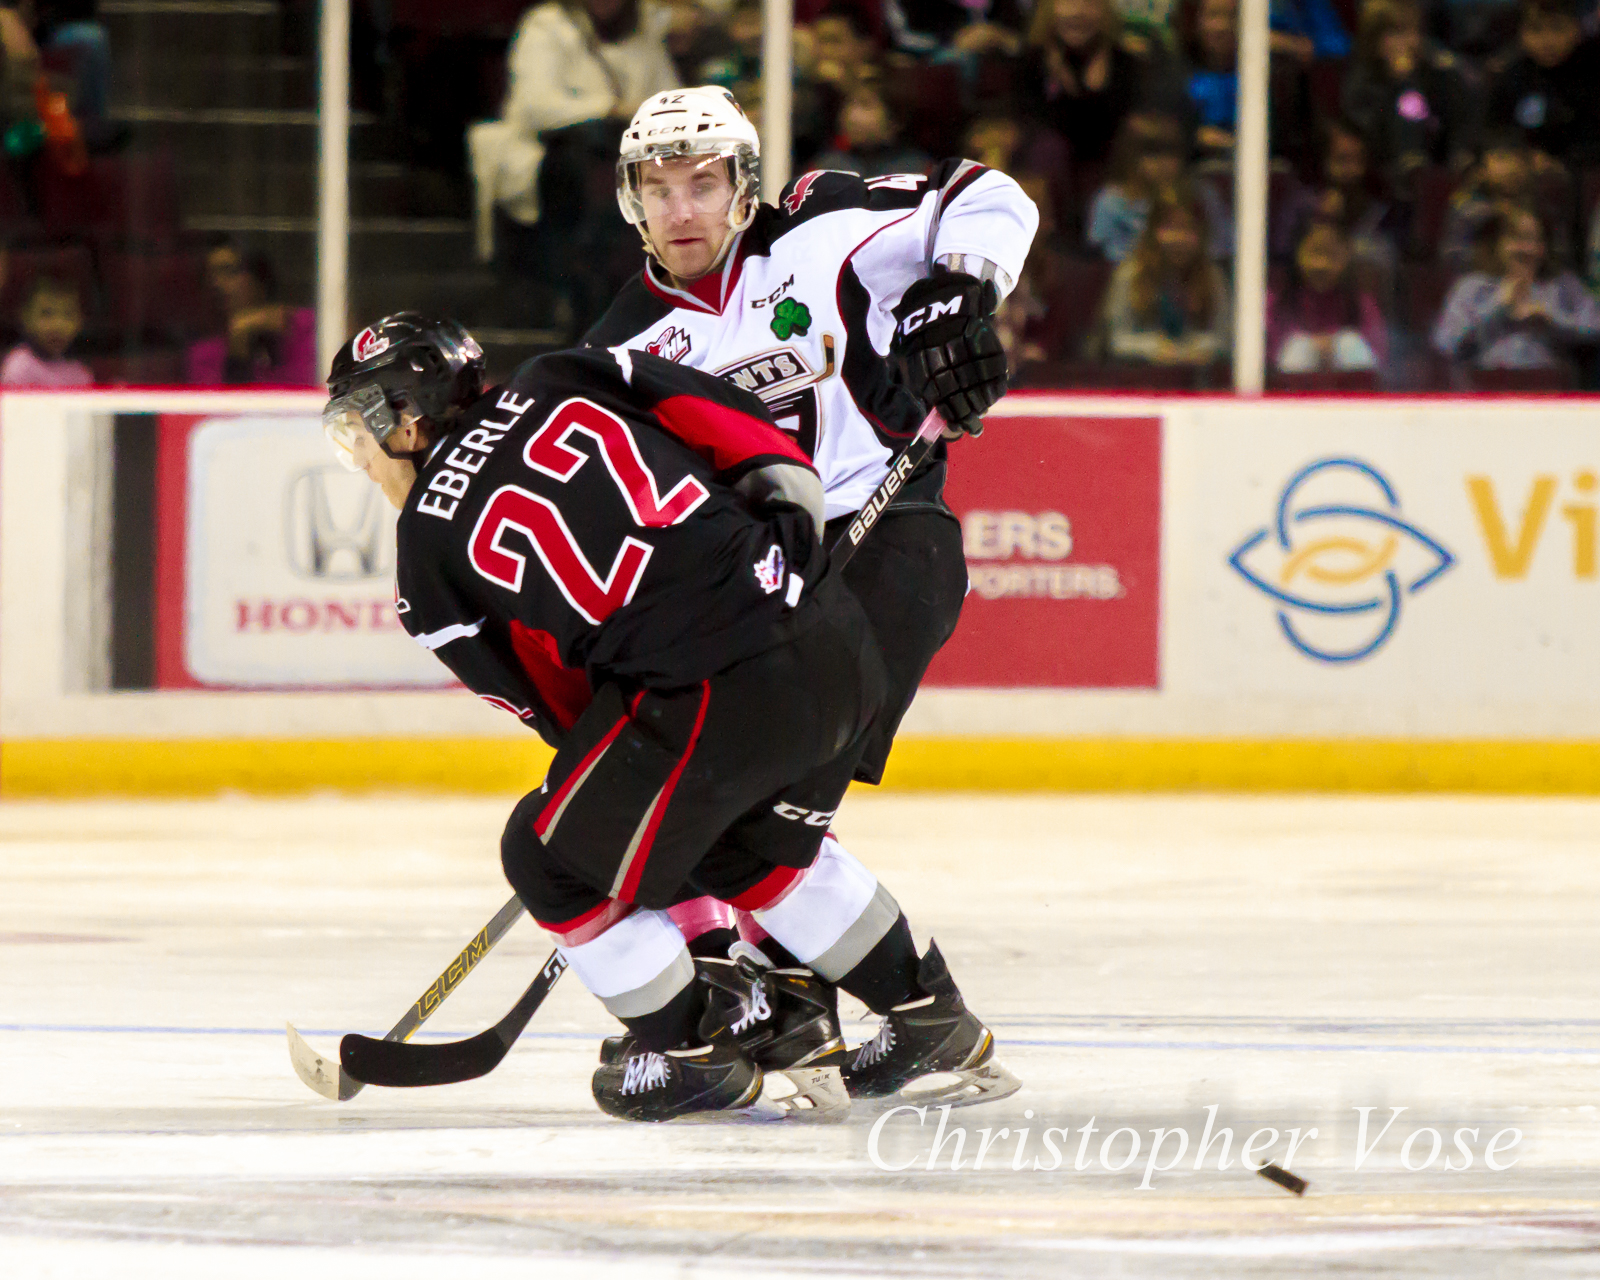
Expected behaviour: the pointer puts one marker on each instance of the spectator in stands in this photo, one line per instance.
(1082, 77)
(694, 38)
(71, 30)
(1323, 319)
(1148, 159)
(1168, 303)
(1516, 311)
(1406, 96)
(741, 61)
(1550, 88)
(1308, 29)
(1023, 320)
(266, 343)
(995, 141)
(946, 29)
(1508, 172)
(1151, 21)
(866, 142)
(1211, 47)
(1474, 27)
(51, 319)
(578, 70)
(1347, 192)
(19, 72)
(839, 51)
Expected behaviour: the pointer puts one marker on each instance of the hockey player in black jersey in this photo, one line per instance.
(849, 308)
(624, 554)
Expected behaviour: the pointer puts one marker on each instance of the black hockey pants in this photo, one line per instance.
(911, 578)
(726, 779)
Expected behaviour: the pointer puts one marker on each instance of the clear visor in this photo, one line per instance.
(357, 424)
(672, 182)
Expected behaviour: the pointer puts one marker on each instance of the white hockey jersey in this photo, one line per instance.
(801, 311)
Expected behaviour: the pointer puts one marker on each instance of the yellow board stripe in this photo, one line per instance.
(510, 766)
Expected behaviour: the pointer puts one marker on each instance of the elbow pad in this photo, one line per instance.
(786, 482)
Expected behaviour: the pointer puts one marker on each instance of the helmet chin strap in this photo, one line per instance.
(426, 442)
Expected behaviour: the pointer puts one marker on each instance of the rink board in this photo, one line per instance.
(1183, 592)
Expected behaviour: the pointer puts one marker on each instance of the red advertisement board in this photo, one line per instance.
(1061, 518)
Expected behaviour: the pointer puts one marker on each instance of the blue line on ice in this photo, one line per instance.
(1546, 1051)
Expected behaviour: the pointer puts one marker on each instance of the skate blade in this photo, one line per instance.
(965, 1088)
(808, 1095)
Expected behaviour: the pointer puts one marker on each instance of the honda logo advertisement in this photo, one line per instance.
(275, 566)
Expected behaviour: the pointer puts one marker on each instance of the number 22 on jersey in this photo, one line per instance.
(514, 511)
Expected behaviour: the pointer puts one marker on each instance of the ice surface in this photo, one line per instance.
(1140, 959)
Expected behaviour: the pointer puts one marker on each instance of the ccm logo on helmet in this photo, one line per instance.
(368, 344)
(931, 312)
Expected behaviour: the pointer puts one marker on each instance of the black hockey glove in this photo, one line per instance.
(946, 349)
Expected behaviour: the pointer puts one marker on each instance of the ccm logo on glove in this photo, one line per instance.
(921, 316)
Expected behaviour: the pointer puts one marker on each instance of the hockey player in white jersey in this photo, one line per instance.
(850, 308)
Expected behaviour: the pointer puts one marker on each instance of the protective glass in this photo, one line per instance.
(357, 424)
(639, 196)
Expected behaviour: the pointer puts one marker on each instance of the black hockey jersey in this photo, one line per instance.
(801, 311)
(579, 524)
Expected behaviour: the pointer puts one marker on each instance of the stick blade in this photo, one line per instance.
(395, 1064)
(322, 1075)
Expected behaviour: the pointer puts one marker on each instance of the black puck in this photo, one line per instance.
(1288, 1181)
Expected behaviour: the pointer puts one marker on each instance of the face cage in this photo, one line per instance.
(356, 418)
(745, 170)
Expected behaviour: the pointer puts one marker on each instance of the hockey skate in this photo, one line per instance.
(787, 1021)
(930, 1051)
(708, 1080)
(745, 1010)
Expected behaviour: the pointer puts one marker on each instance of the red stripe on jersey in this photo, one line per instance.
(964, 177)
(770, 890)
(630, 883)
(710, 292)
(564, 690)
(590, 925)
(723, 436)
(547, 816)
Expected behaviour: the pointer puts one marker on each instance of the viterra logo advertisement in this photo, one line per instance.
(1340, 559)
(1421, 562)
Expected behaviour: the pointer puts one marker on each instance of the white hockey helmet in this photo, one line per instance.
(707, 122)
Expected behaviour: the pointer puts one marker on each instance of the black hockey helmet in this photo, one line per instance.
(433, 367)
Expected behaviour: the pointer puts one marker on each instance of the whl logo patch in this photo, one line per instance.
(790, 316)
(368, 344)
(769, 570)
(673, 344)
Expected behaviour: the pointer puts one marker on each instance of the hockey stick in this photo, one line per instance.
(407, 1066)
(393, 1063)
(333, 1081)
(907, 461)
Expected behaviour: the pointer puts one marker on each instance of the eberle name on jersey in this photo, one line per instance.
(582, 523)
(822, 274)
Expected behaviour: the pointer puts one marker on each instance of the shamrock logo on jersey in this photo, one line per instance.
(790, 316)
